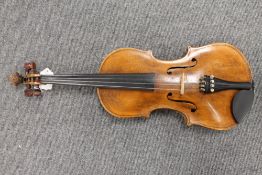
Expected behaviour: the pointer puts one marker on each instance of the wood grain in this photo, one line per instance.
(213, 110)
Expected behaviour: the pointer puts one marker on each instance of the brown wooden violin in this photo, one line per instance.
(211, 86)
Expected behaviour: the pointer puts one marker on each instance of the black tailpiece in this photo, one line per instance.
(210, 84)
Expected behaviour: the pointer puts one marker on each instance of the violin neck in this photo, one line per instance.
(141, 81)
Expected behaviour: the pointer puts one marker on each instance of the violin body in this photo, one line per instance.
(213, 109)
(210, 86)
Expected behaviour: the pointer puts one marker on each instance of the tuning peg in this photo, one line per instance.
(32, 92)
(31, 79)
(30, 65)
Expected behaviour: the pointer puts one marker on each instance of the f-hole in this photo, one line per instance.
(170, 70)
(192, 105)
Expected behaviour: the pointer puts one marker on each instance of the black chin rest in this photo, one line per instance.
(242, 103)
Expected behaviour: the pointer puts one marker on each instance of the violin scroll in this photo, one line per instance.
(31, 79)
(16, 79)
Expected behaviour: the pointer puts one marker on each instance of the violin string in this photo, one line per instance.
(87, 81)
(99, 75)
(118, 78)
(53, 77)
(110, 86)
(112, 82)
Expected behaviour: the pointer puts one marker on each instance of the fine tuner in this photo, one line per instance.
(211, 86)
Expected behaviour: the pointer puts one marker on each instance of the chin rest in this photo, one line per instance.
(242, 103)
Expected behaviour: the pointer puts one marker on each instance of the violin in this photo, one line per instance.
(210, 86)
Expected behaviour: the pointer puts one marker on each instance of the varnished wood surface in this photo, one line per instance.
(213, 110)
